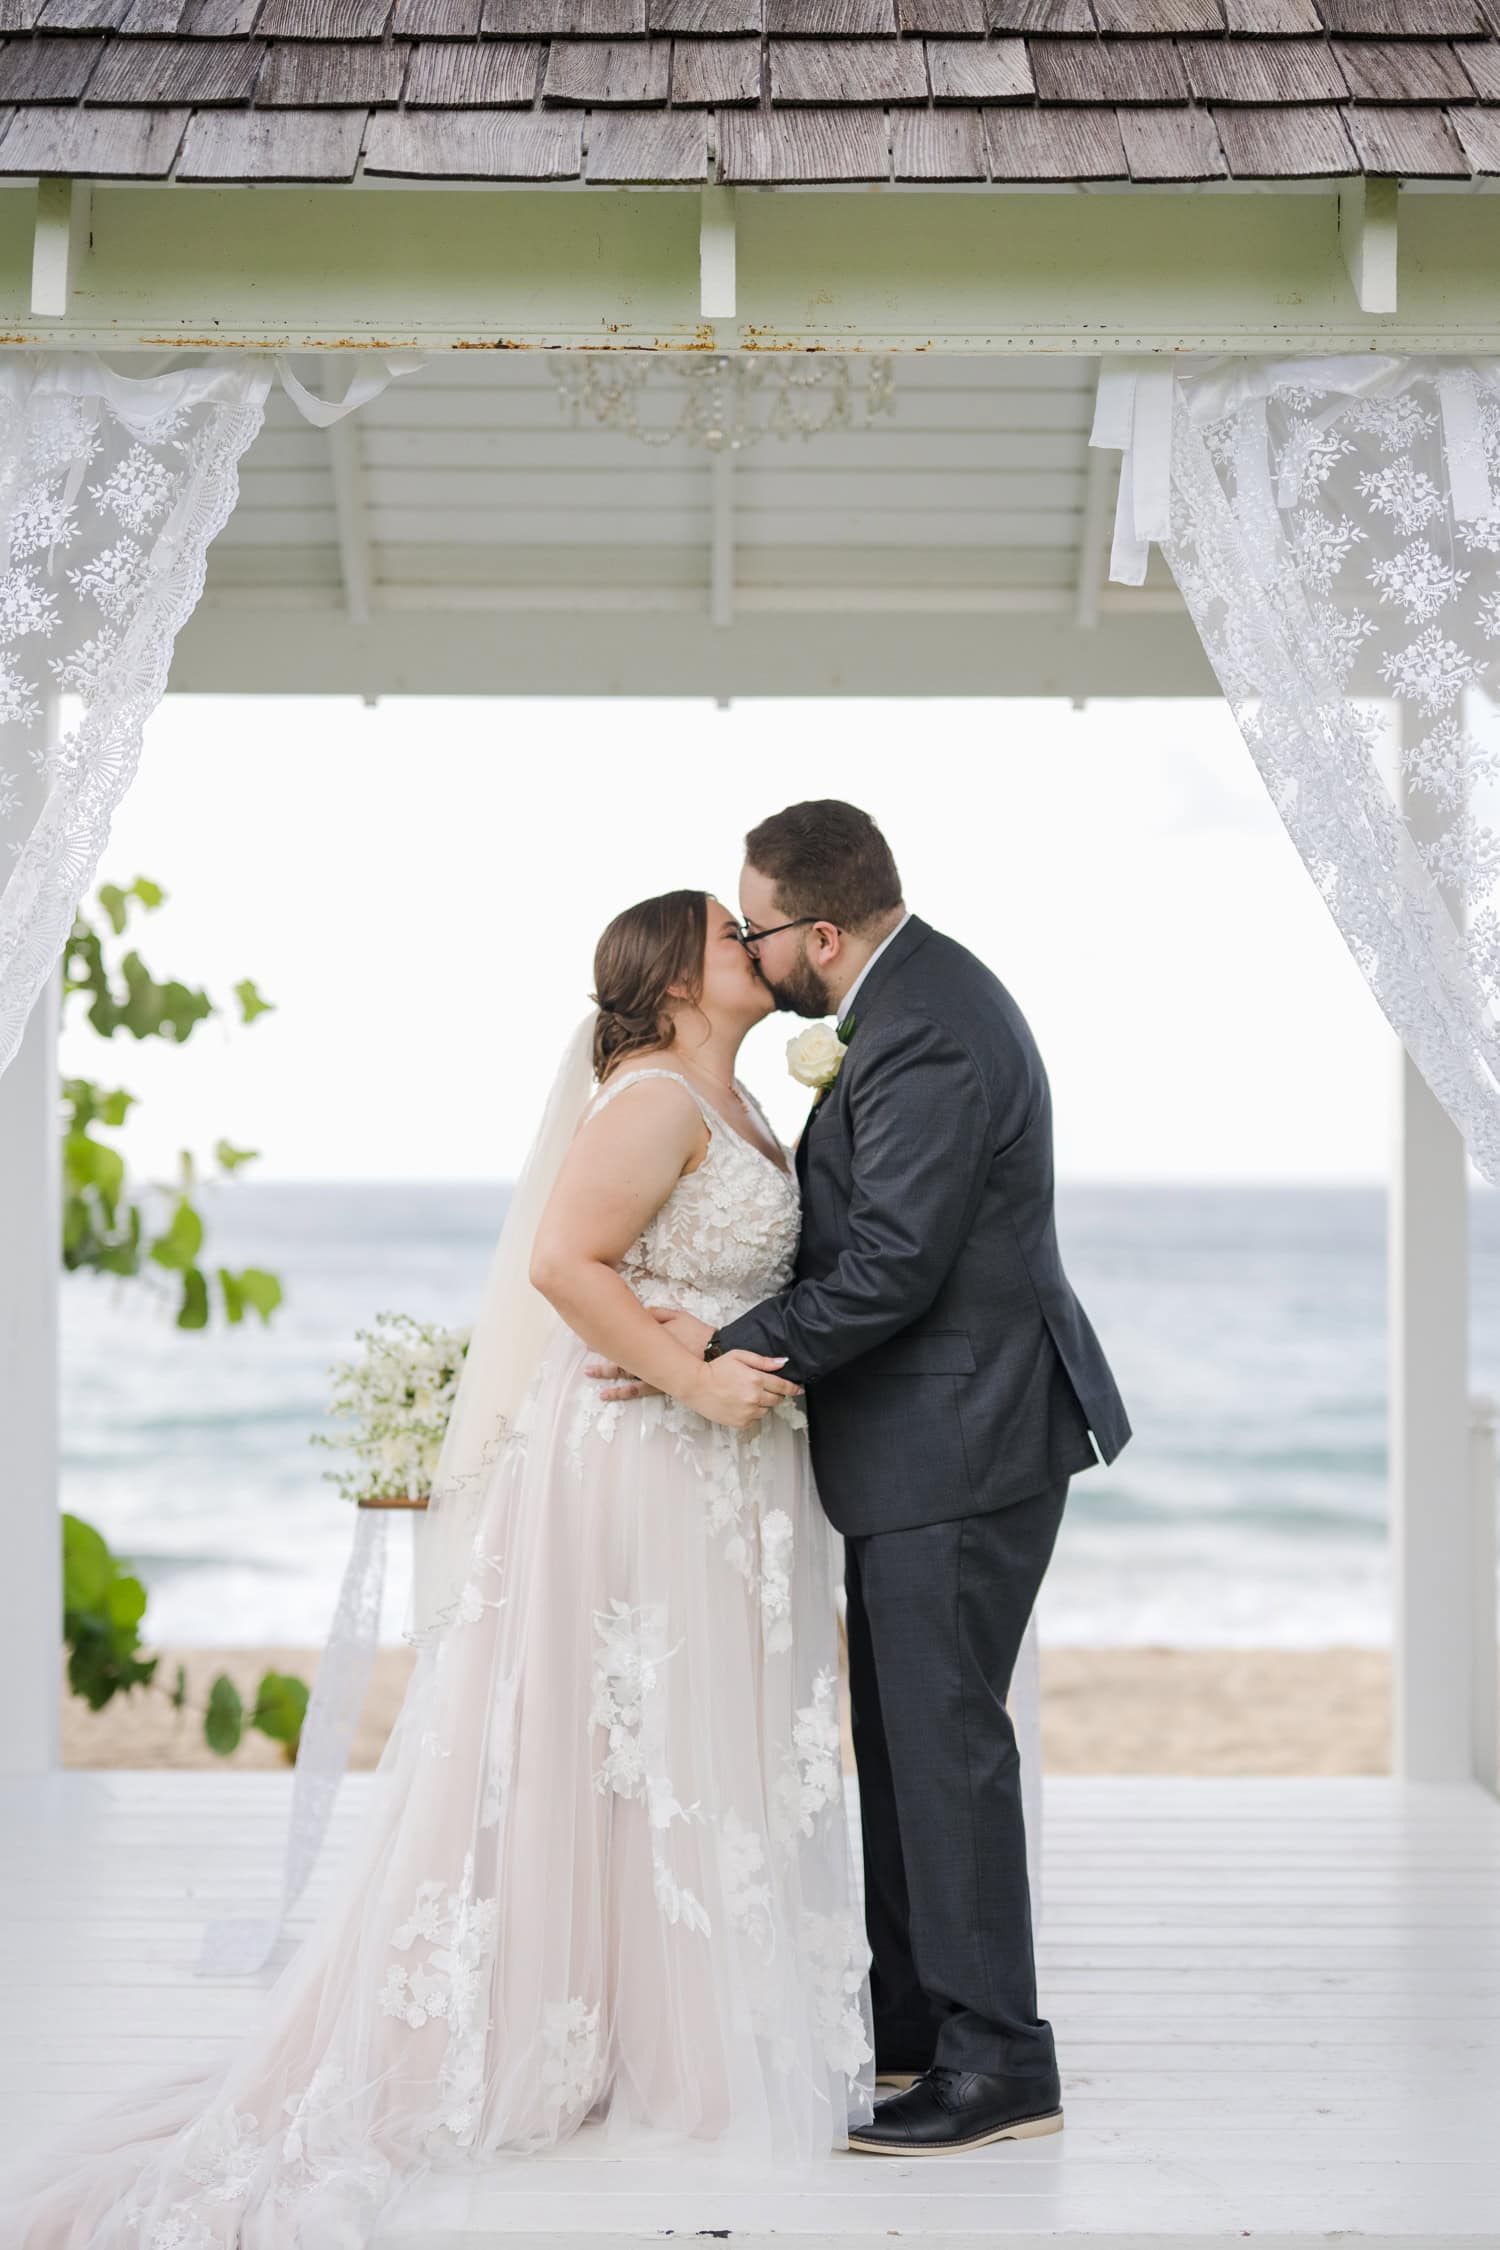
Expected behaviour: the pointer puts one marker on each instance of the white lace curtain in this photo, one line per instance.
(1334, 528)
(112, 488)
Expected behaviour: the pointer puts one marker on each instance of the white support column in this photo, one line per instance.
(1430, 1507)
(30, 1713)
(1484, 1642)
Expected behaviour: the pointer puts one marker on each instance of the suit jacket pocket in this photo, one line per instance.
(933, 1351)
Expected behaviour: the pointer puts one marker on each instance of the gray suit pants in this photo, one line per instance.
(936, 1616)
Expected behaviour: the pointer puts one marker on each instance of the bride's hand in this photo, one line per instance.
(740, 1389)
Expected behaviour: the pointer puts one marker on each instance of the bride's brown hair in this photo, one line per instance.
(644, 952)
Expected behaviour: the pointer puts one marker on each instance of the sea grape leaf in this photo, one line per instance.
(224, 1720)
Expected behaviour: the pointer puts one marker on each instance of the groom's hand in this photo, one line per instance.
(692, 1334)
(619, 1383)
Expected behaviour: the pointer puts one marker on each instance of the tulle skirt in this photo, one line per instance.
(607, 1874)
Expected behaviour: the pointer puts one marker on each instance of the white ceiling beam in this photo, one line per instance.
(1102, 465)
(350, 502)
(1367, 241)
(326, 269)
(765, 601)
(721, 560)
(60, 241)
(308, 651)
(750, 599)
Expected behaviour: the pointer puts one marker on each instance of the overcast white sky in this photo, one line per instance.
(419, 887)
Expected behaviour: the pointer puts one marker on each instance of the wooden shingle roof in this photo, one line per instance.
(753, 91)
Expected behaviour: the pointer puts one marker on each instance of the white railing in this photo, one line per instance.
(1484, 1643)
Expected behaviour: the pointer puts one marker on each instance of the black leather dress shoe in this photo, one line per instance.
(949, 2110)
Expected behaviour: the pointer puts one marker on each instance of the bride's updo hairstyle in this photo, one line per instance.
(644, 952)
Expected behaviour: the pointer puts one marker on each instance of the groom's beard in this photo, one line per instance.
(802, 992)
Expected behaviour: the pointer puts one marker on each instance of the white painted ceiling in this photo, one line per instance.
(461, 534)
(472, 475)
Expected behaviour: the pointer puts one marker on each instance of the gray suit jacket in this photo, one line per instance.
(950, 1368)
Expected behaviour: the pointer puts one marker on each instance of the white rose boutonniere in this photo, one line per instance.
(816, 1056)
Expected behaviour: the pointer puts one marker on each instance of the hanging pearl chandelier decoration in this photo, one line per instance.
(724, 401)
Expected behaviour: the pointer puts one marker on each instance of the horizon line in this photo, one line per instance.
(1360, 1182)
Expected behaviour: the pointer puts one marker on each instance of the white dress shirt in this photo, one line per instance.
(846, 1005)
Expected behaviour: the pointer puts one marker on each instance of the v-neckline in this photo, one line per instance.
(782, 1171)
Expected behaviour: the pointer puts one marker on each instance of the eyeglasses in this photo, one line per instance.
(748, 935)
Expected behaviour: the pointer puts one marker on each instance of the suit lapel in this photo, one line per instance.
(824, 1102)
(800, 1155)
(901, 948)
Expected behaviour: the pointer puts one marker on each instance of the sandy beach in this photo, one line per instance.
(1207, 1711)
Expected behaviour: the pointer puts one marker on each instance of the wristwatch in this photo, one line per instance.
(713, 1349)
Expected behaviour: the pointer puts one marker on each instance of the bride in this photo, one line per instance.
(607, 1875)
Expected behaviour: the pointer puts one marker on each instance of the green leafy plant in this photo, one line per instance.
(108, 1224)
(102, 1610)
(103, 1607)
(143, 1233)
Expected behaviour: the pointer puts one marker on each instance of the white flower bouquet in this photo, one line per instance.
(395, 1400)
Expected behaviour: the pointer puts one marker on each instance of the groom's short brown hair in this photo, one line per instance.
(827, 859)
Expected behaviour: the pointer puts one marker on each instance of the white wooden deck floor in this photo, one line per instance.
(1277, 2005)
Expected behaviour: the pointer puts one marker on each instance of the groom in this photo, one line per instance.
(952, 1384)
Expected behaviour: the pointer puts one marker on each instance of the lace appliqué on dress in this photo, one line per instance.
(814, 1780)
(628, 1705)
(451, 1986)
(632, 1654)
(776, 1581)
(744, 1882)
(835, 1958)
(570, 2069)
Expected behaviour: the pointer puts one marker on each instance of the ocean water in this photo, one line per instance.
(1246, 1327)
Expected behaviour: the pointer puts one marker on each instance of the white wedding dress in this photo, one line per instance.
(608, 1874)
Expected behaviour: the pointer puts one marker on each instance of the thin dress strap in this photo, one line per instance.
(634, 1077)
